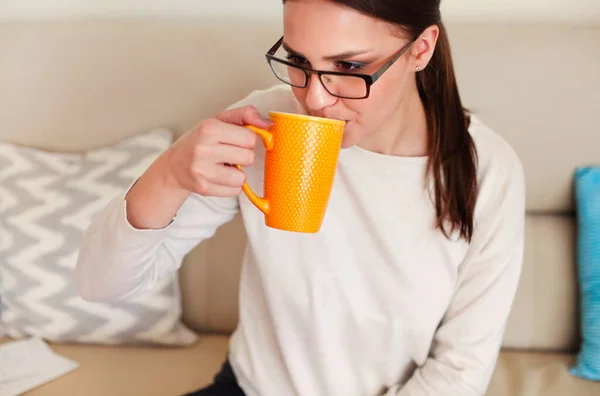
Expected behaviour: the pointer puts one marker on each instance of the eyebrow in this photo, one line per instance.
(336, 57)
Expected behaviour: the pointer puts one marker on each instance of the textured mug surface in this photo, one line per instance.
(301, 159)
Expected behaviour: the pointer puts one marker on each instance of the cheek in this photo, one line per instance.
(300, 94)
(384, 99)
(373, 113)
(361, 121)
(368, 112)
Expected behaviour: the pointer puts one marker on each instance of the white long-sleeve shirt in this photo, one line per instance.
(379, 302)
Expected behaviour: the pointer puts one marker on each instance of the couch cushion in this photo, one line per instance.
(538, 374)
(138, 81)
(587, 182)
(514, 80)
(47, 200)
(126, 371)
(144, 371)
(518, 85)
(544, 315)
(91, 84)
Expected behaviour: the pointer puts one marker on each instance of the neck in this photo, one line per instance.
(405, 134)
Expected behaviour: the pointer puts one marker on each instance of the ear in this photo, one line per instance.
(424, 46)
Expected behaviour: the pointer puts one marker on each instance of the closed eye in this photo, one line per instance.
(343, 66)
(297, 60)
(347, 66)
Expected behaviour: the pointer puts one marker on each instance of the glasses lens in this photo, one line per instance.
(345, 86)
(288, 74)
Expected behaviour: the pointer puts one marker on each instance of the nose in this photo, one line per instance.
(317, 97)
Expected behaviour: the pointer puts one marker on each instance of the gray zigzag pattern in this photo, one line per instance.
(65, 185)
(4, 164)
(145, 316)
(21, 241)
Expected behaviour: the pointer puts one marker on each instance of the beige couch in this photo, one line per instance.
(71, 86)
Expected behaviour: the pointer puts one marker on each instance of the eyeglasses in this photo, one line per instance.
(340, 84)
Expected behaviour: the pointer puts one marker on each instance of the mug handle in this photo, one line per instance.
(261, 203)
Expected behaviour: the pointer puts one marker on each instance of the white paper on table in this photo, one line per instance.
(27, 364)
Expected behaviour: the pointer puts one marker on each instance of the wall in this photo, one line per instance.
(578, 11)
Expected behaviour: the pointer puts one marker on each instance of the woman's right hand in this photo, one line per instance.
(201, 160)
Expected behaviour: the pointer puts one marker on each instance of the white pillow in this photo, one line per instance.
(46, 202)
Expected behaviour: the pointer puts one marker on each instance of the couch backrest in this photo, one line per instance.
(72, 86)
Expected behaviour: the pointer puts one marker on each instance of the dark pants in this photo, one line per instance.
(225, 384)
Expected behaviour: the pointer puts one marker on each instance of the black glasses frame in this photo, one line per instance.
(369, 79)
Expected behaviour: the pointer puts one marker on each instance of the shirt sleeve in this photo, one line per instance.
(466, 345)
(117, 260)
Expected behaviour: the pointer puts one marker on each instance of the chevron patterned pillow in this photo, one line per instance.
(46, 202)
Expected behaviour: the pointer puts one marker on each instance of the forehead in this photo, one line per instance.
(323, 23)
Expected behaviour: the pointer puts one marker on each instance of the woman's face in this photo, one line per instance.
(316, 32)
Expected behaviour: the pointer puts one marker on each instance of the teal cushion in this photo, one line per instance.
(587, 193)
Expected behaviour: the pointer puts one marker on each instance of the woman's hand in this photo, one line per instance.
(199, 162)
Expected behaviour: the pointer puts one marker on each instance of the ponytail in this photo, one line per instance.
(452, 161)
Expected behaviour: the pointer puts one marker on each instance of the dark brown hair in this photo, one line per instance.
(452, 159)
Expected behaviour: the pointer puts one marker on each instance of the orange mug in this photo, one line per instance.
(300, 162)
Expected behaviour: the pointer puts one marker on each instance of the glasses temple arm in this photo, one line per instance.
(390, 62)
(275, 47)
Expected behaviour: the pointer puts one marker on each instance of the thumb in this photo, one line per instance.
(247, 115)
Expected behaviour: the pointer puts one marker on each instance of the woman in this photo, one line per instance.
(407, 287)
